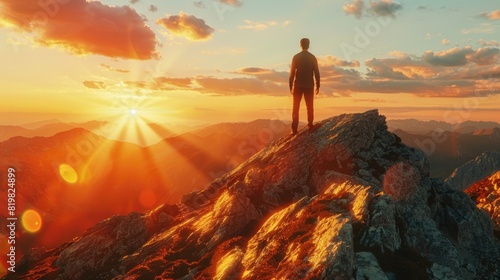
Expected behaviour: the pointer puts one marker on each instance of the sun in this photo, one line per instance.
(133, 112)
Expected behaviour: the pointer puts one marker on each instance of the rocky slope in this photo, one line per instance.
(347, 201)
(475, 170)
(486, 194)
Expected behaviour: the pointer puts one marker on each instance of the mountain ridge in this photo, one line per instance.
(424, 127)
(345, 201)
(475, 170)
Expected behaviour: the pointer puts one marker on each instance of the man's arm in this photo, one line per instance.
(316, 75)
(293, 70)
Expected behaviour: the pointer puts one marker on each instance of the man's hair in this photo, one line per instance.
(304, 43)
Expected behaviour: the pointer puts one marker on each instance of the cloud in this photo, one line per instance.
(133, 1)
(329, 60)
(452, 57)
(483, 28)
(187, 26)
(178, 82)
(264, 74)
(260, 26)
(445, 41)
(82, 27)
(153, 8)
(492, 43)
(370, 100)
(199, 4)
(95, 84)
(354, 8)
(424, 8)
(495, 15)
(240, 86)
(234, 3)
(382, 8)
(462, 56)
(160, 84)
(457, 72)
(109, 68)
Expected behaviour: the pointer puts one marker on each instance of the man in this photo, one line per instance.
(303, 72)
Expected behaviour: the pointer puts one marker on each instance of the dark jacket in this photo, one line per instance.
(304, 68)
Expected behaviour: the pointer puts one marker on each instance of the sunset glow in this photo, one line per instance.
(206, 62)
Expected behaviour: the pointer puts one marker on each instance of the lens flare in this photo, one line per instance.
(68, 173)
(31, 221)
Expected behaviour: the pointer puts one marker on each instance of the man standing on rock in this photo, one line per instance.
(303, 72)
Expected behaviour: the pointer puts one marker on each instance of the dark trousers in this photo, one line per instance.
(308, 94)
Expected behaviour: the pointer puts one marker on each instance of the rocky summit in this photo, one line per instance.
(345, 201)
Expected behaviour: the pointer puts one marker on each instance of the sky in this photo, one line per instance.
(210, 61)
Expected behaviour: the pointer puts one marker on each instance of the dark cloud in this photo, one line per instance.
(462, 56)
(153, 8)
(486, 56)
(458, 72)
(453, 57)
(83, 27)
(382, 8)
(187, 26)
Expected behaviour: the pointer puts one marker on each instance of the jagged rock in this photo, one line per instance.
(304, 207)
(382, 233)
(475, 170)
(486, 194)
(367, 267)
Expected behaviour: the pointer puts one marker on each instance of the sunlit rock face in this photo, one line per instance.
(475, 170)
(346, 201)
(486, 194)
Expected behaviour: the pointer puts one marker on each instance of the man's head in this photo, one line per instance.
(304, 43)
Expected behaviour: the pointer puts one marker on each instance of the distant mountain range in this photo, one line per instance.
(117, 177)
(414, 126)
(345, 201)
(102, 128)
(447, 150)
(475, 170)
(44, 128)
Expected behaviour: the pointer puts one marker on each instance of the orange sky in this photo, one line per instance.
(226, 61)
